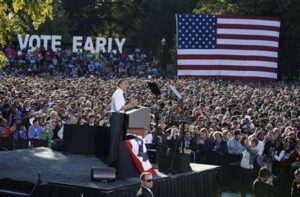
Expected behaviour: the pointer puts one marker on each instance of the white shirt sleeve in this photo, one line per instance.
(118, 101)
(60, 133)
(260, 148)
(148, 138)
(280, 156)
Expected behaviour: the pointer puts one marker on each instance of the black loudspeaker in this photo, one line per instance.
(181, 163)
(103, 174)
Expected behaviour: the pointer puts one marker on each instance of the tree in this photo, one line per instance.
(216, 7)
(158, 22)
(21, 15)
(102, 17)
(61, 24)
(144, 23)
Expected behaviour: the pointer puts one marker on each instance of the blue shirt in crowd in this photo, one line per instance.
(32, 131)
(235, 147)
(20, 135)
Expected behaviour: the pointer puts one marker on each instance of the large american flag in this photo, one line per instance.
(228, 47)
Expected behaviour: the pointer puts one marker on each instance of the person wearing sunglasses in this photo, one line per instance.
(147, 184)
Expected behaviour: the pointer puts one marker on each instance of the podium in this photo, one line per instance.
(138, 119)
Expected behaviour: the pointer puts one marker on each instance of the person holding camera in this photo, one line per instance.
(247, 172)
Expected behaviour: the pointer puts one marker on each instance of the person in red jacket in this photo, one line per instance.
(5, 135)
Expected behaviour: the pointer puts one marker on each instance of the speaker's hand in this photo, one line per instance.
(133, 103)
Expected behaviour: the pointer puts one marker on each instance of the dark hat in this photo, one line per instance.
(245, 129)
(237, 132)
(233, 118)
(264, 172)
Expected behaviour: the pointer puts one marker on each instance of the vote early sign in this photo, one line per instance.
(79, 43)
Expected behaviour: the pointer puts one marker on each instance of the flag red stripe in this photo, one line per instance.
(228, 57)
(247, 37)
(137, 162)
(233, 78)
(247, 47)
(236, 68)
(269, 27)
(256, 27)
(250, 17)
(133, 156)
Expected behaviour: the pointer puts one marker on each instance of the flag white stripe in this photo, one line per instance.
(248, 22)
(248, 32)
(226, 52)
(135, 150)
(222, 62)
(248, 42)
(228, 73)
(245, 44)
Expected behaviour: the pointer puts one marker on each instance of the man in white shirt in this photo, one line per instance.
(148, 138)
(118, 107)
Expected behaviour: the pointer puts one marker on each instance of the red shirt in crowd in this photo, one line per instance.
(285, 164)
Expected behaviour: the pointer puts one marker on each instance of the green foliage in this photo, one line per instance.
(61, 24)
(158, 22)
(19, 15)
(216, 7)
(143, 22)
(101, 17)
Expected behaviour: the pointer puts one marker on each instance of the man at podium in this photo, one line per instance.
(117, 119)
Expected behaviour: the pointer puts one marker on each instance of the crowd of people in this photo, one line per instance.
(64, 63)
(249, 128)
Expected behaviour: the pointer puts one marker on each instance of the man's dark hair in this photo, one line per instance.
(255, 141)
(120, 81)
(237, 132)
(264, 172)
(142, 177)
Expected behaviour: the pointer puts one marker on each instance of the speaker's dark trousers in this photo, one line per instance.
(117, 133)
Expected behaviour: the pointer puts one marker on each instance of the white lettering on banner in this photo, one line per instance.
(55, 42)
(109, 45)
(37, 44)
(88, 46)
(23, 43)
(100, 44)
(32, 42)
(35, 41)
(45, 39)
(120, 44)
(76, 43)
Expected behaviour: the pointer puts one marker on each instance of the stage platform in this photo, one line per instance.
(69, 175)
